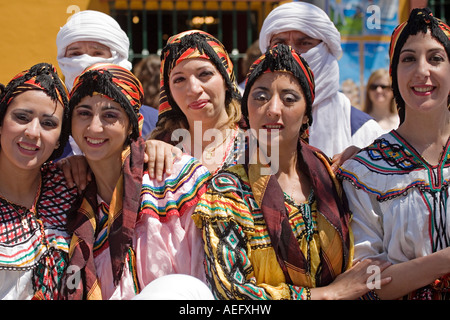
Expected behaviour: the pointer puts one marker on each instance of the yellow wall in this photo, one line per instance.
(29, 29)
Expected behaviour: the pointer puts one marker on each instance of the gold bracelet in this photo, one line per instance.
(308, 293)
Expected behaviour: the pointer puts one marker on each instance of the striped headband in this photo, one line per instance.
(420, 20)
(282, 58)
(115, 82)
(189, 45)
(42, 76)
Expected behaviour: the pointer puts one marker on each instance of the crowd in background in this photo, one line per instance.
(169, 180)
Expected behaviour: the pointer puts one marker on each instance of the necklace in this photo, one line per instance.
(208, 153)
(23, 215)
(23, 220)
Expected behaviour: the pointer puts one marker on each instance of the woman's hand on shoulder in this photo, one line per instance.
(76, 171)
(159, 157)
(339, 159)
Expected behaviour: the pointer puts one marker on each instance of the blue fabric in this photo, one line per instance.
(357, 119)
(150, 117)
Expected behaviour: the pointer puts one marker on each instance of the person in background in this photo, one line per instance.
(35, 201)
(308, 29)
(129, 230)
(199, 95)
(91, 37)
(379, 101)
(147, 71)
(253, 52)
(398, 187)
(283, 235)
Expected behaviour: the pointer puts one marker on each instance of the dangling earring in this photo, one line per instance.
(304, 133)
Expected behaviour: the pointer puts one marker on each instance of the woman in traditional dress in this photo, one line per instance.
(199, 100)
(308, 29)
(130, 229)
(398, 186)
(282, 235)
(34, 198)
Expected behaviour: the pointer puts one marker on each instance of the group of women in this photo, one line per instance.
(222, 223)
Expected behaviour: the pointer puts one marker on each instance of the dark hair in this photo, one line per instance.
(147, 71)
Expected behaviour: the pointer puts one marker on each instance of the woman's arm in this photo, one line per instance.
(355, 282)
(367, 226)
(76, 171)
(227, 226)
(414, 274)
(339, 159)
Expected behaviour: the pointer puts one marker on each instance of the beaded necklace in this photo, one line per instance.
(305, 211)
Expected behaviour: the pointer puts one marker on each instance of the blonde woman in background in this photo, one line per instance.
(379, 101)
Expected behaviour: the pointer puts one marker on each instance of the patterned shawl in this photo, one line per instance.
(81, 281)
(336, 253)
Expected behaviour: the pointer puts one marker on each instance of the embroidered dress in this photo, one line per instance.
(235, 151)
(165, 241)
(34, 243)
(241, 262)
(399, 201)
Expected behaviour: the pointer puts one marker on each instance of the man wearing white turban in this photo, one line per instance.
(91, 37)
(308, 29)
(90, 26)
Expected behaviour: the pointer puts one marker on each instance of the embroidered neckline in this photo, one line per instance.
(436, 177)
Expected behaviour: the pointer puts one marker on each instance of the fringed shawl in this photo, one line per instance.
(81, 280)
(331, 204)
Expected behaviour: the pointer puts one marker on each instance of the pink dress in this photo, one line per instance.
(166, 240)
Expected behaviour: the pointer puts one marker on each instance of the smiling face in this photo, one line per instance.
(30, 130)
(100, 127)
(199, 90)
(423, 73)
(277, 107)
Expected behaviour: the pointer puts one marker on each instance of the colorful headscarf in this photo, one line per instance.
(122, 86)
(420, 20)
(115, 82)
(189, 45)
(282, 58)
(42, 76)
